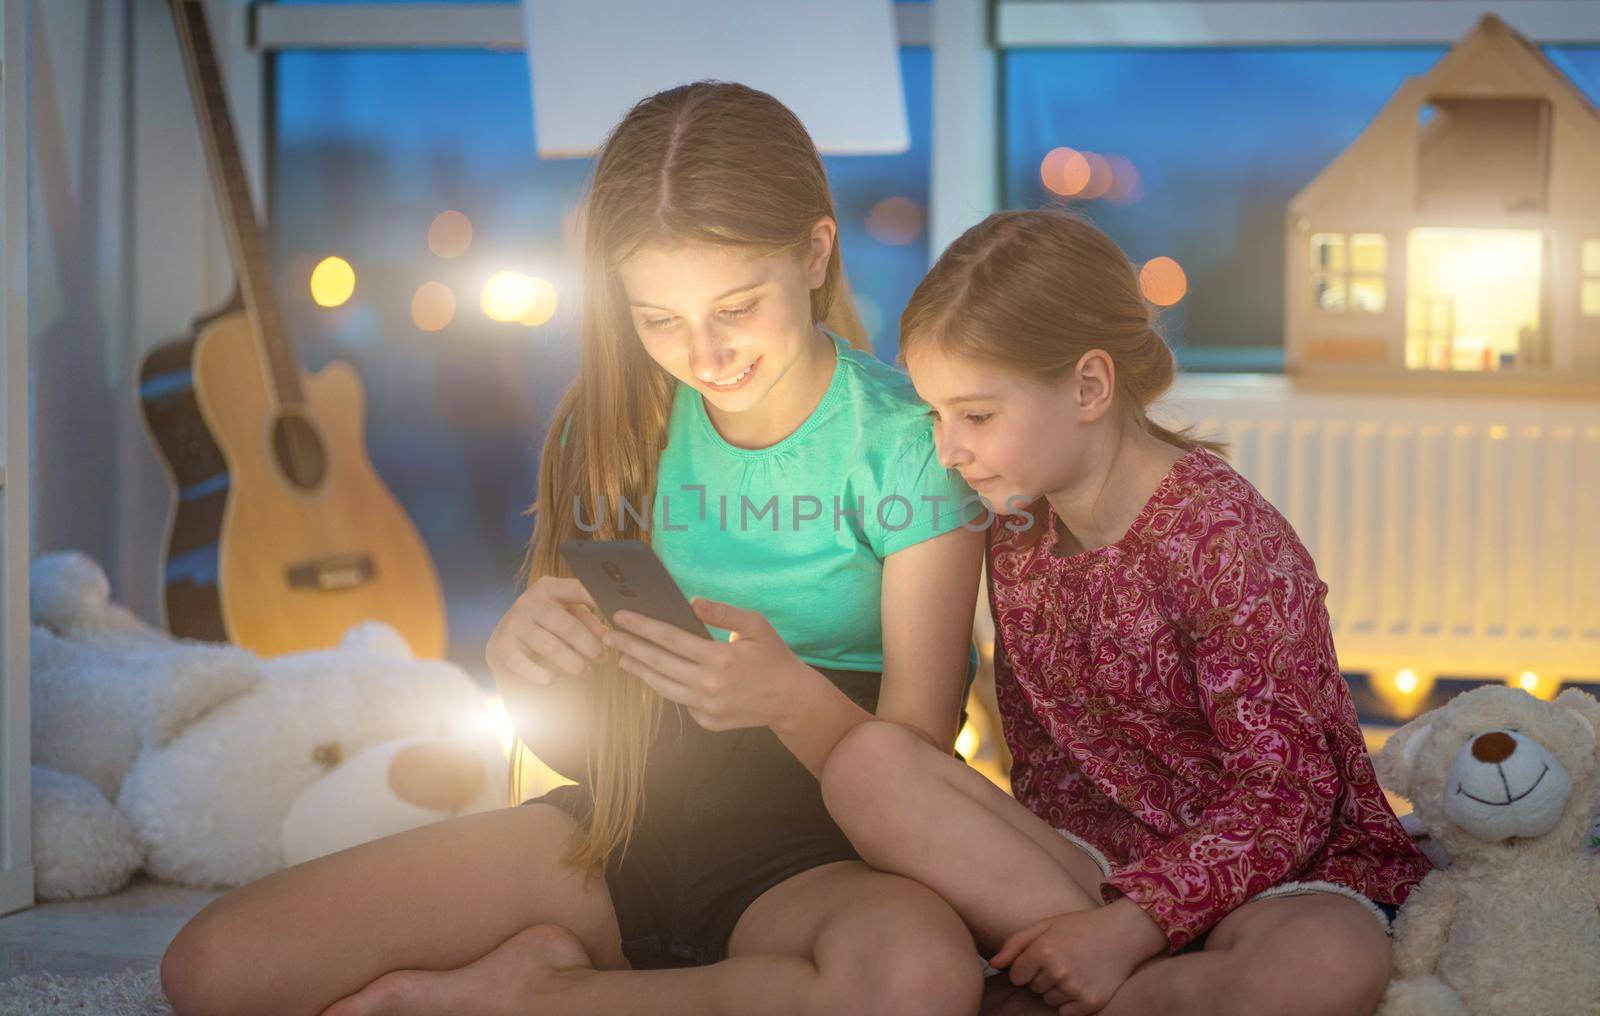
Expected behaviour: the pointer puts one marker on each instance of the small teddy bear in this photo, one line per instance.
(1506, 784)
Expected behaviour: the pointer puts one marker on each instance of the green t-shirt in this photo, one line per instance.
(799, 530)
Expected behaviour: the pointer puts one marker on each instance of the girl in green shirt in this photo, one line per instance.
(789, 480)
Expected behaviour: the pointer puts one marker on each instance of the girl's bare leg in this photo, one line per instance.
(1319, 954)
(839, 939)
(915, 811)
(433, 898)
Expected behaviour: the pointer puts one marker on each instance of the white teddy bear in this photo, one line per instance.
(209, 766)
(1506, 784)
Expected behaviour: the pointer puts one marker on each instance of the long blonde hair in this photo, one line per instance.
(1031, 292)
(709, 162)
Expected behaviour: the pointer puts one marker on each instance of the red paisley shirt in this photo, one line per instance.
(1173, 698)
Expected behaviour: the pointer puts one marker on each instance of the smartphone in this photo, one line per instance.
(627, 575)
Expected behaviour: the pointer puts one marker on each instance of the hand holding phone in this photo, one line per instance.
(627, 575)
(753, 679)
(549, 631)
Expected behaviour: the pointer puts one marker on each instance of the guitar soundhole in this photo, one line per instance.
(299, 451)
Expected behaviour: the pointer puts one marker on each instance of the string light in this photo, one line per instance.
(1403, 691)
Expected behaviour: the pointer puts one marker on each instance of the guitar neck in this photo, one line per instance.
(247, 239)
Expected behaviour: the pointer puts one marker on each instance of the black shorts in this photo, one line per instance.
(727, 815)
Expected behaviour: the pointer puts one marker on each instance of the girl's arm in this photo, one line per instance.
(552, 720)
(542, 655)
(930, 592)
(1043, 778)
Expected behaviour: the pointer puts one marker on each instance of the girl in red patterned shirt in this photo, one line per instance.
(1196, 825)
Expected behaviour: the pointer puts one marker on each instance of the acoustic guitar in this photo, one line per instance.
(283, 536)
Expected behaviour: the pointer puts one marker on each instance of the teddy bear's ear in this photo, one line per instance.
(1396, 760)
(65, 588)
(197, 681)
(1587, 709)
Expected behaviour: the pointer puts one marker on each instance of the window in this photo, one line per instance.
(1347, 272)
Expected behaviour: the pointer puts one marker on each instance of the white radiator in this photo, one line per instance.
(1458, 536)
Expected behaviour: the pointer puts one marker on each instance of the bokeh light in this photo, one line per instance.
(433, 306)
(1162, 281)
(450, 234)
(1064, 171)
(1099, 177)
(513, 297)
(332, 281)
(1126, 184)
(895, 221)
(1538, 685)
(507, 296)
(541, 303)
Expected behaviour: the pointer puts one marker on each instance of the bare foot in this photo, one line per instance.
(527, 968)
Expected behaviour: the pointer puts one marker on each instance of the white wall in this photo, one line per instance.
(125, 250)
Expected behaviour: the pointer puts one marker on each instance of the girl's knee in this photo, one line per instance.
(855, 772)
(908, 975)
(909, 954)
(1342, 971)
(194, 970)
(935, 982)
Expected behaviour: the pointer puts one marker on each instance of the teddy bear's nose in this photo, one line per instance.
(1493, 747)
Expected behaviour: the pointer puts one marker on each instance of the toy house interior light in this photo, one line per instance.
(1474, 298)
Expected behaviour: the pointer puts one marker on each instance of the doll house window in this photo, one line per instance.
(1347, 272)
(1474, 299)
(1590, 293)
(1478, 155)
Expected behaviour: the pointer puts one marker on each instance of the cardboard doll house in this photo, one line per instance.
(1459, 234)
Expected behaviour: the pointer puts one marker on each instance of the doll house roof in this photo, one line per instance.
(1502, 148)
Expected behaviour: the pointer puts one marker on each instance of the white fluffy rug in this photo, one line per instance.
(129, 993)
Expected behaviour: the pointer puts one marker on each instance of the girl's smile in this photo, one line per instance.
(738, 380)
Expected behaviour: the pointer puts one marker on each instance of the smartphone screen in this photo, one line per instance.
(627, 575)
